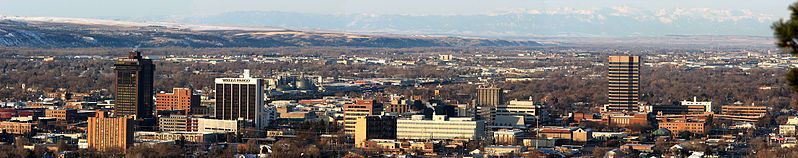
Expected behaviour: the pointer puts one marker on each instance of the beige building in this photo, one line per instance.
(398, 105)
(360, 108)
(489, 96)
(625, 120)
(495, 150)
(623, 83)
(525, 110)
(193, 137)
(177, 123)
(68, 115)
(19, 128)
(110, 134)
(792, 120)
(787, 130)
(742, 113)
(557, 132)
(219, 126)
(374, 127)
(507, 137)
(439, 127)
(677, 125)
(582, 135)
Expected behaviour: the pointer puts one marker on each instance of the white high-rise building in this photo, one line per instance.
(242, 98)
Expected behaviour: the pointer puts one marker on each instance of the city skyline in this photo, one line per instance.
(375, 78)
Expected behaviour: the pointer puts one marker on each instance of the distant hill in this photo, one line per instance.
(552, 22)
(74, 32)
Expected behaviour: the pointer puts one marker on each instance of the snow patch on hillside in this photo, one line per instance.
(86, 21)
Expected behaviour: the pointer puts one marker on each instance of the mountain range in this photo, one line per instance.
(48, 32)
(560, 22)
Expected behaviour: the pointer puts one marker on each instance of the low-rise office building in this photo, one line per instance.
(625, 120)
(177, 123)
(496, 150)
(787, 130)
(19, 128)
(182, 99)
(677, 125)
(556, 132)
(374, 127)
(742, 113)
(69, 115)
(582, 135)
(361, 108)
(192, 137)
(508, 137)
(528, 111)
(440, 127)
(219, 126)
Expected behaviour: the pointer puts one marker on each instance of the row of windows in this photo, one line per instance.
(623, 92)
(623, 72)
(624, 82)
(625, 63)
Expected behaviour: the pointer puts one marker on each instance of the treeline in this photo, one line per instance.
(578, 85)
(579, 91)
(85, 75)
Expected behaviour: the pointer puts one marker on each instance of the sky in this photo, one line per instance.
(190, 8)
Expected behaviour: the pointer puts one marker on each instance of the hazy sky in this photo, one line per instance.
(149, 8)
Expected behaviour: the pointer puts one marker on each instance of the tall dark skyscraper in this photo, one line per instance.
(134, 82)
(624, 83)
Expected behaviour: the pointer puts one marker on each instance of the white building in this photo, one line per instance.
(439, 128)
(790, 128)
(241, 98)
(707, 104)
(83, 144)
(507, 137)
(787, 130)
(219, 126)
(526, 110)
(792, 120)
(194, 137)
(445, 57)
(608, 135)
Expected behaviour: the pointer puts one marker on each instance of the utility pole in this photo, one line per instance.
(537, 132)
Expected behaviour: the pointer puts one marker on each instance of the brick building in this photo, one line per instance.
(180, 99)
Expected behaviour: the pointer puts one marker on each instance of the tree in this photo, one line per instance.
(285, 148)
(162, 150)
(661, 145)
(218, 151)
(312, 151)
(686, 134)
(600, 151)
(251, 147)
(786, 33)
(6, 151)
(639, 128)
